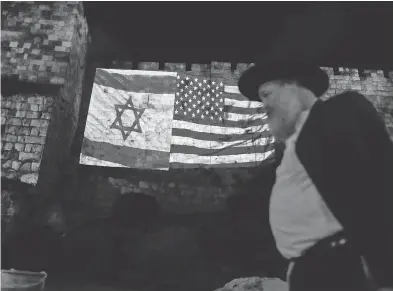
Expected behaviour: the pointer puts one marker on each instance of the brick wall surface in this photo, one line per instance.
(43, 50)
(45, 44)
(25, 120)
(202, 190)
(37, 40)
(376, 85)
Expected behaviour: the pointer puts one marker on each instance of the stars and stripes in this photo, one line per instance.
(199, 100)
(187, 122)
(215, 126)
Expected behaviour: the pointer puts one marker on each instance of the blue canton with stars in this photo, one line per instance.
(199, 100)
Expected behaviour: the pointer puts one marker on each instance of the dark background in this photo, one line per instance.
(353, 34)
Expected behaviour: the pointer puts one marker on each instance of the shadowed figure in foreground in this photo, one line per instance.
(331, 204)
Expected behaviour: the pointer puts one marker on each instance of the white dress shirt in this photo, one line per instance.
(298, 215)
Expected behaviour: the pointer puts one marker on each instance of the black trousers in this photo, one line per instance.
(330, 269)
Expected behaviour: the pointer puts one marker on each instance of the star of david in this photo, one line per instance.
(118, 123)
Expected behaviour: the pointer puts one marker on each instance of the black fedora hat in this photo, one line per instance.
(305, 73)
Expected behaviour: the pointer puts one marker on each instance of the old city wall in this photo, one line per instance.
(47, 77)
(195, 224)
(44, 52)
(43, 48)
(205, 190)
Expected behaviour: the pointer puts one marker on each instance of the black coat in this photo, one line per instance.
(346, 150)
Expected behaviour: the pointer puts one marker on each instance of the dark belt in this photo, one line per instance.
(324, 245)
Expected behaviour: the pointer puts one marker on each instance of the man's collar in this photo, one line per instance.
(303, 117)
(301, 120)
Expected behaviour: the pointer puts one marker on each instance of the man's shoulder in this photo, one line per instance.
(347, 99)
(340, 112)
(347, 104)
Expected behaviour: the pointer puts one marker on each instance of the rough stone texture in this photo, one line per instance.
(37, 39)
(42, 44)
(373, 84)
(36, 48)
(90, 192)
(201, 190)
(25, 120)
(42, 58)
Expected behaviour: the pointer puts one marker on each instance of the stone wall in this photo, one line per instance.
(43, 49)
(25, 121)
(376, 85)
(37, 40)
(195, 190)
(44, 107)
(191, 200)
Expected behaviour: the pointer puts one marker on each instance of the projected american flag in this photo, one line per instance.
(162, 120)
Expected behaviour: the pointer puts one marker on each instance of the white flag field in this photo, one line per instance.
(167, 120)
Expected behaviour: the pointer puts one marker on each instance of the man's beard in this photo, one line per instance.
(281, 130)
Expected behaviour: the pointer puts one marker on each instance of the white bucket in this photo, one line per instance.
(13, 280)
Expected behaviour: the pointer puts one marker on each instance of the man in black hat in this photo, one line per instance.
(331, 208)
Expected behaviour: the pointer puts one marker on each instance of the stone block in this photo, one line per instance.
(201, 69)
(30, 178)
(34, 107)
(23, 106)
(16, 165)
(11, 129)
(66, 44)
(36, 99)
(19, 147)
(53, 37)
(37, 148)
(11, 138)
(35, 131)
(8, 146)
(28, 148)
(32, 114)
(6, 164)
(53, 80)
(35, 166)
(150, 66)
(43, 131)
(6, 104)
(15, 121)
(47, 58)
(23, 130)
(220, 67)
(35, 139)
(39, 122)
(29, 156)
(5, 155)
(21, 113)
(26, 167)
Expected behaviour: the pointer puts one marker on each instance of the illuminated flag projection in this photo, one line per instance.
(163, 120)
